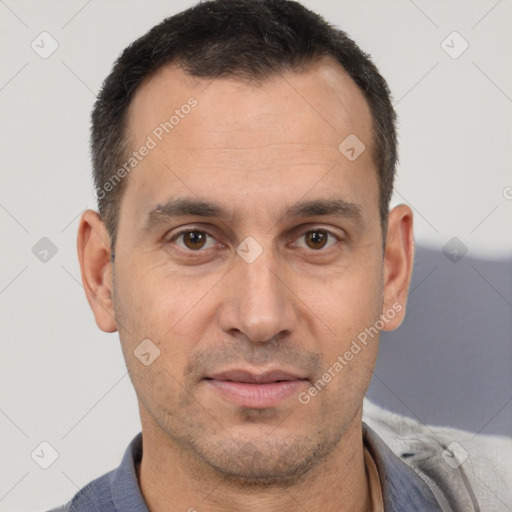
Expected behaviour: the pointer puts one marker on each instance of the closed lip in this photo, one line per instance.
(252, 377)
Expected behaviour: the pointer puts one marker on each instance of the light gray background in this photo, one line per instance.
(63, 381)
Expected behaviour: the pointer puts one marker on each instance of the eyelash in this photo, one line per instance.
(202, 231)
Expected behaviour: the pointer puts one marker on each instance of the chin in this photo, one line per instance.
(266, 462)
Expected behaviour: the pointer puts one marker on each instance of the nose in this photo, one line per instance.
(258, 302)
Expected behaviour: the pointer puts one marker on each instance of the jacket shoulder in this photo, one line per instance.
(465, 471)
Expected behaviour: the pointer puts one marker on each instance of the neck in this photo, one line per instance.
(169, 474)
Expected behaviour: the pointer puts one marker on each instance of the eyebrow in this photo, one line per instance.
(183, 207)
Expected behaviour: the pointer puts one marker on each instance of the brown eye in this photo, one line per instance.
(193, 240)
(317, 239)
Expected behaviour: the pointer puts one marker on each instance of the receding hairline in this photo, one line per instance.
(316, 62)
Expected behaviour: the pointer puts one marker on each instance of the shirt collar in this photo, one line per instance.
(126, 493)
(402, 489)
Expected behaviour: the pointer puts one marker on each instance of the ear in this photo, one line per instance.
(93, 246)
(398, 263)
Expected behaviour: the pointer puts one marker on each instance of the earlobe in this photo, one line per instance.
(93, 246)
(398, 264)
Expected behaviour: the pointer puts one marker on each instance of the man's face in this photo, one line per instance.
(232, 325)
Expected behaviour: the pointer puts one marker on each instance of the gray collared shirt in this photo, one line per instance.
(118, 491)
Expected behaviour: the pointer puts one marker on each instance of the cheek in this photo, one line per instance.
(155, 300)
(171, 311)
(348, 309)
(351, 299)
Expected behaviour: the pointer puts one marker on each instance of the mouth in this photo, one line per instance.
(255, 390)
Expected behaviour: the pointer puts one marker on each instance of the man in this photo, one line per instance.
(244, 153)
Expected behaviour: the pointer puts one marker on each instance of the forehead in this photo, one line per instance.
(214, 135)
(322, 93)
